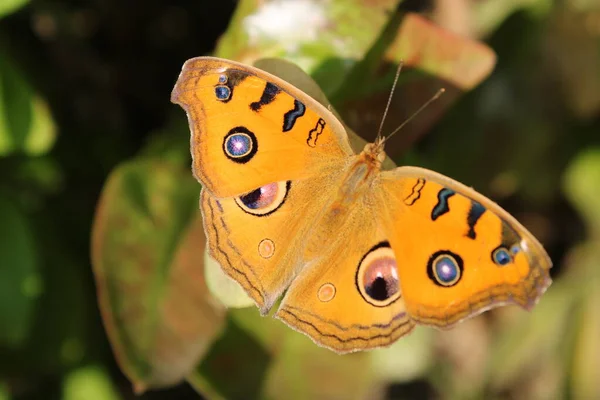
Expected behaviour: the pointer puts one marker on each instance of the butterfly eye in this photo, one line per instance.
(501, 256)
(265, 200)
(445, 268)
(377, 276)
(240, 145)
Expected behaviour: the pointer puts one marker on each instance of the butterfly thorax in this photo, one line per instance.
(355, 187)
(373, 154)
(360, 175)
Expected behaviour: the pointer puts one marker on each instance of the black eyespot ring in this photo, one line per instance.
(240, 145)
(377, 276)
(445, 268)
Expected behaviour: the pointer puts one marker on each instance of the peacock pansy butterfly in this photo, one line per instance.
(360, 255)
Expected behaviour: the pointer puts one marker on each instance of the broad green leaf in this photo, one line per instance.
(575, 32)
(533, 338)
(10, 6)
(586, 362)
(489, 14)
(20, 281)
(236, 365)
(57, 339)
(585, 196)
(4, 395)
(289, 364)
(309, 33)
(304, 370)
(25, 121)
(260, 357)
(564, 324)
(409, 358)
(89, 383)
(148, 248)
(222, 287)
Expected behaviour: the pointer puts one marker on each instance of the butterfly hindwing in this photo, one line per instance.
(348, 297)
(257, 237)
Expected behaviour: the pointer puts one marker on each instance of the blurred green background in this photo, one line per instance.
(95, 165)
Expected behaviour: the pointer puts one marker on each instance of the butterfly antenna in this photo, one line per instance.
(387, 107)
(428, 102)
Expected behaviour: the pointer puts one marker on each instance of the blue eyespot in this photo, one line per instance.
(445, 268)
(501, 256)
(238, 145)
(222, 92)
(222, 78)
(515, 249)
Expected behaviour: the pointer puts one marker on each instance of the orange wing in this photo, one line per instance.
(250, 128)
(458, 253)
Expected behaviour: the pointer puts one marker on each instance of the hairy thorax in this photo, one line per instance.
(356, 187)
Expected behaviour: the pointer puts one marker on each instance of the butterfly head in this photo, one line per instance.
(373, 153)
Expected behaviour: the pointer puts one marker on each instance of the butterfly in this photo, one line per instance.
(358, 255)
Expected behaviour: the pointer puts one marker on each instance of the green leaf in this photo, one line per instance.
(261, 357)
(147, 249)
(235, 367)
(585, 196)
(525, 342)
(408, 358)
(309, 33)
(433, 58)
(222, 287)
(89, 383)
(20, 282)
(586, 363)
(25, 121)
(10, 6)
(4, 394)
(488, 15)
(584, 349)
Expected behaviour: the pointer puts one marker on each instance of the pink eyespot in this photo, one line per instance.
(264, 200)
(377, 276)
